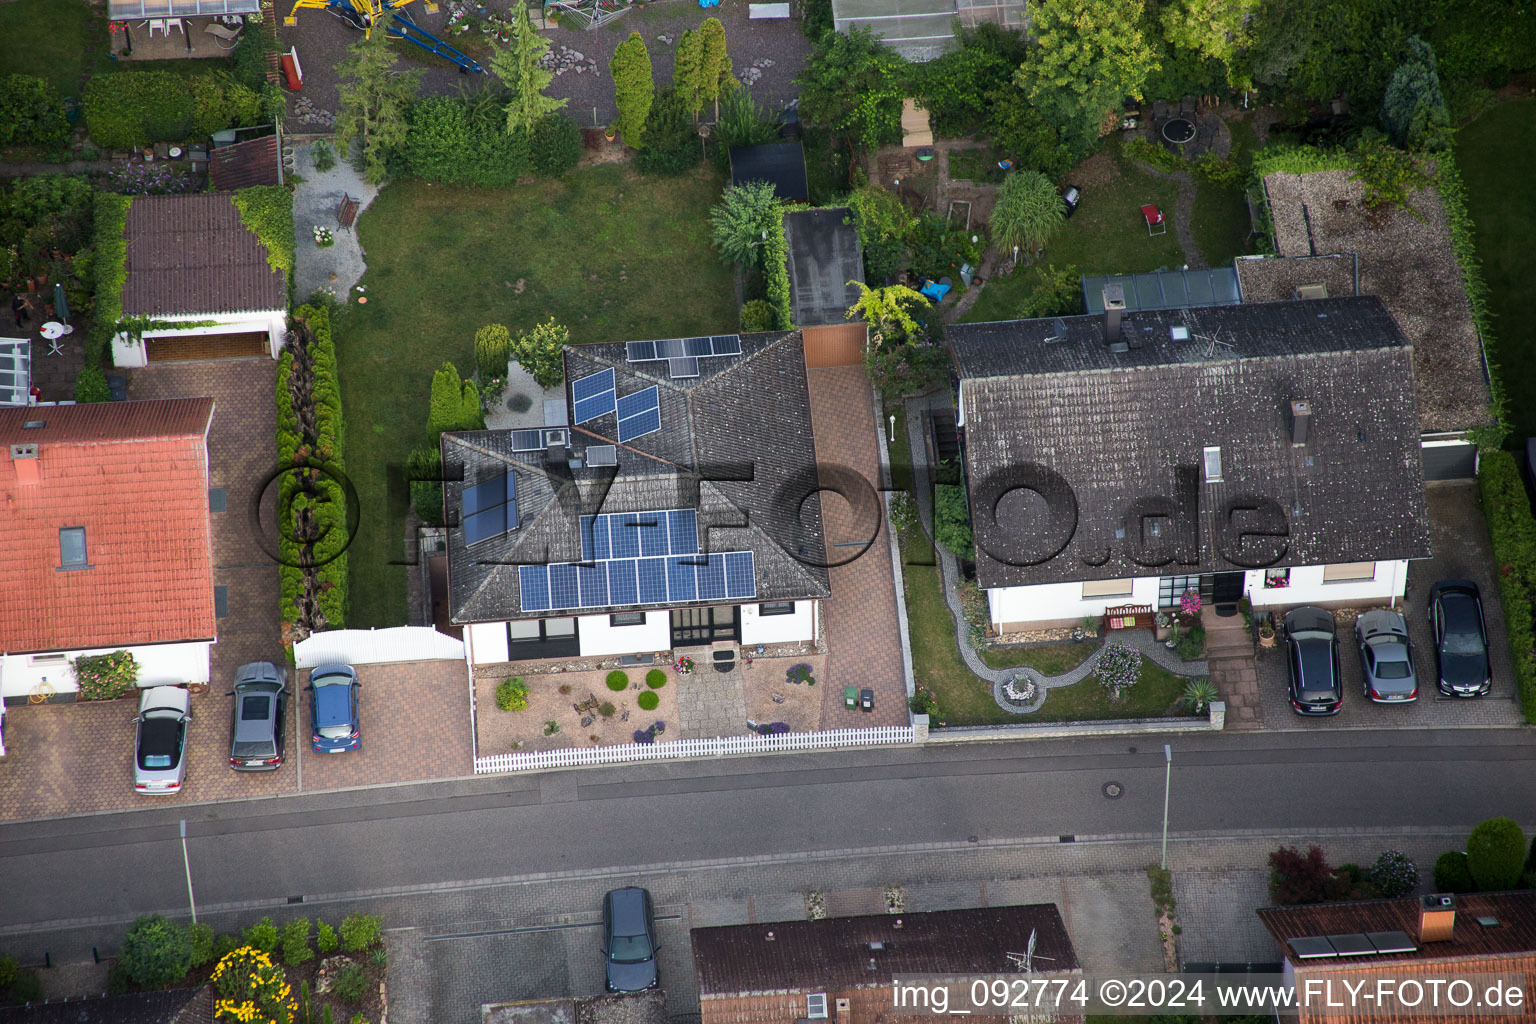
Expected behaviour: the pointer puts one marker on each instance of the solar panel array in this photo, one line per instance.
(490, 508)
(639, 414)
(594, 395)
(639, 534)
(15, 372)
(678, 348)
(677, 579)
(1323, 947)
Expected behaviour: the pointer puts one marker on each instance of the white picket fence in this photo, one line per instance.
(717, 747)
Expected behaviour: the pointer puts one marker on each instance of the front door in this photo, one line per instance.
(1226, 587)
(700, 627)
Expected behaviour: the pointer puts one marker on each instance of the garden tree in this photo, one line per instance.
(1390, 175)
(1088, 56)
(955, 88)
(1029, 210)
(156, 952)
(688, 71)
(714, 62)
(555, 145)
(741, 219)
(854, 85)
(375, 100)
(633, 87)
(454, 405)
(540, 352)
(1413, 109)
(1214, 28)
(883, 223)
(672, 143)
(517, 65)
(493, 344)
(1452, 873)
(888, 312)
(952, 521)
(1059, 293)
(1296, 878)
(1496, 854)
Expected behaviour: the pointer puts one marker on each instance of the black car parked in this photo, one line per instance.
(1312, 658)
(629, 940)
(1461, 639)
(261, 706)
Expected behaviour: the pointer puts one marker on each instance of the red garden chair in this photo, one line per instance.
(1154, 218)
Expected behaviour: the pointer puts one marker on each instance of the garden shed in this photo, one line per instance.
(198, 284)
(781, 164)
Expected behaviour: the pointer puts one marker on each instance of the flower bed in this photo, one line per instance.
(324, 237)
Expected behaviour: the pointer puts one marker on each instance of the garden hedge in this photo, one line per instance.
(110, 222)
(31, 112)
(453, 142)
(1512, 530)
(124, 109)
(776, 275)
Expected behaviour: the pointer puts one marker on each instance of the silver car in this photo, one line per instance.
(160, 752)
(1386, 657)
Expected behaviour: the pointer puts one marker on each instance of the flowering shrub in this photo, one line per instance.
(324, 237)
(800, 674)
(684, 665)
(923, 702)
(146, 179)
(1119, 668)
(252, 988)
(106, 676)
(1189, 602)
(903, 511)
(1395, 874)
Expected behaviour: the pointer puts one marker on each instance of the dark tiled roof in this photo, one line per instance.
(824, 255)
(1515, 911)
(781, 164)
(834, 952)
(244, 164)
(1115, 426)
(744, 416)
(191, 254)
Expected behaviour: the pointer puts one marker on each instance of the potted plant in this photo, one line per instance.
(610, 133)
(1163, 621)
(1171, 640)
(1266, 633)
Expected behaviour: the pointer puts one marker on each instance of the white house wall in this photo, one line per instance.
(778, 629)
(1061, 603)
(274, 322)
(159, 664)
(485, 643)
(1307, 587)
(598, 638)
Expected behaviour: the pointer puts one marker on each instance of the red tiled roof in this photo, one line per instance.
(1515, 911)
(244, 163)
(135, 476)
(192, 254)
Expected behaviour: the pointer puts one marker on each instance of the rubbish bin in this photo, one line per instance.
(850, 697)
(867, 700)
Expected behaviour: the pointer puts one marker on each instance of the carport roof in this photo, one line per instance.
(781, 164)
(824, 256)
(190, 254)
(134, 476)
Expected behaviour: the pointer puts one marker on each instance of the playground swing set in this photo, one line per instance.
(365, 14)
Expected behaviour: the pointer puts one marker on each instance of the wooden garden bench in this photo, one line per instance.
(346, 213)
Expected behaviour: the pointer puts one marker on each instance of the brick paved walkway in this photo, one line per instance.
(1229, 654)
(863, 642)
(711, 703)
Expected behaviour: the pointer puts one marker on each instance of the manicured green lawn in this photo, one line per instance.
(1106, 236)
(1495, 154)
(1220, 224)
(1152, 697)
(611, 254)
(49, 39)
(1047, 659)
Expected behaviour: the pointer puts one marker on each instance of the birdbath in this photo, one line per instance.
(1179, 130)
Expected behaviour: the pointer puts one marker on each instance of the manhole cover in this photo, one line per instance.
(1113, 790)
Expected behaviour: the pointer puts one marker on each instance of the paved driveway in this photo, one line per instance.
(1459, 540)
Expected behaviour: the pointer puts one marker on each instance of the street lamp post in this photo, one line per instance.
(1167, 787)
(187, 863)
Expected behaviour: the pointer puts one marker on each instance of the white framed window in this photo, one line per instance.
(1349, 572)
(49, 659)
(627, 619)
(1108, 588)
(776, 608)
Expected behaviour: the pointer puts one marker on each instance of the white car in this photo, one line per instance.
(160, 752)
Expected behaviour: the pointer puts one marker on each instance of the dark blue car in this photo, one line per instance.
(334, 724)
(629, 940)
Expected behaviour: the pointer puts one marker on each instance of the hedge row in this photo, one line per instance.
(1464, 245)
(314, 505)
(110, 221)
(1512, 529)
(776, 275)
(124, 109)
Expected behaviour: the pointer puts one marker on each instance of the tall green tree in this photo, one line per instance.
(541, 351)
(454, 404)
(1088, 56)
(375, 100)
(1413, 109)
(1029, 210)
(517, 65)
(1213, 28)
(739, 221)
(853, 84)
(634, 88)
(714, 62)
(688, 71)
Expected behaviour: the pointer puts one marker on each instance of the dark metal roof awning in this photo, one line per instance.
(125, 10)
(1167, 289)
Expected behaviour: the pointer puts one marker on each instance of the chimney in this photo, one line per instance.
(24, 456)
(1114, 309)
(557, 454)
(1437, 917)
(1301, 421)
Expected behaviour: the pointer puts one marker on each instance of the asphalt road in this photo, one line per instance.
(100, 870)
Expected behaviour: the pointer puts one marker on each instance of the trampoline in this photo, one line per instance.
(1179, 130)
